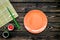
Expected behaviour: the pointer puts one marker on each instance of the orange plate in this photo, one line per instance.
(35, 21)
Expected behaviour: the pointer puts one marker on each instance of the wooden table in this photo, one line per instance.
(51, 9)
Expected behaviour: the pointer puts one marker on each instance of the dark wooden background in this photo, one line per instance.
(50, 7)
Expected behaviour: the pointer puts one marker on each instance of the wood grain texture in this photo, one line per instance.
(46, 7)
(35, 0)
(52, 10)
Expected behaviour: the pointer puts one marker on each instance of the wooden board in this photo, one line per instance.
(52, 32)
(35, 0)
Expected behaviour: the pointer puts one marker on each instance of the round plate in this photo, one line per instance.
(35, 21)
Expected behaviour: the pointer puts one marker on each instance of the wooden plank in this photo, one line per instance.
(24, 38)
(41, 35)
(49, 15)
(35, 0)
(56, 19)
(24, 7)
(52, 17)
(52, 27)
(44, 34)
(21, 7)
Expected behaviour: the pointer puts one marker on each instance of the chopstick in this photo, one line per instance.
(15, 21)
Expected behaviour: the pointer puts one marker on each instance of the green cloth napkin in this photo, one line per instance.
(5, 17)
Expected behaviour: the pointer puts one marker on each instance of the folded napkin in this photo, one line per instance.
(5, 17)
